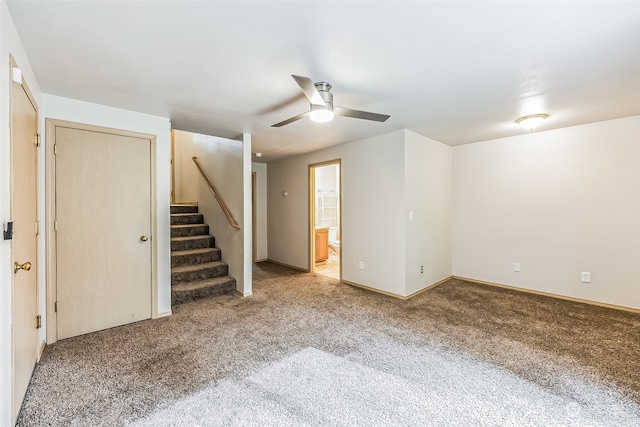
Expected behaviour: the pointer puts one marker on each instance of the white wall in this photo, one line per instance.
(56, 107)
(10, 44)
(428, 195)
(260, 170)
(222, 160)
(372, 210)
(559, 202)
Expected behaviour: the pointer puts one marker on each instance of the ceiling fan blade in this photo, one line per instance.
(291, 120)
(309, 90)
(357, 114)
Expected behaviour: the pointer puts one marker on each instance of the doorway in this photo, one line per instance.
(326, 218)
(24, 241)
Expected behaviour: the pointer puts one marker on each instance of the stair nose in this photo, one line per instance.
(203, 289)
(184, 230)
(187, 218)
(195, 256)
(184, 208)
(194, 273)
(191, 242)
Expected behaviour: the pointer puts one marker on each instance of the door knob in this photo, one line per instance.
(143, 238)
(17, 266)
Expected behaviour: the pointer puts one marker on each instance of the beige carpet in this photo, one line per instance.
(307, 350)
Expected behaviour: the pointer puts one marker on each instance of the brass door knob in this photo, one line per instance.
(143, 238)
(17, 266)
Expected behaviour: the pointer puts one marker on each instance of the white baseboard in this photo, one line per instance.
(164, 314)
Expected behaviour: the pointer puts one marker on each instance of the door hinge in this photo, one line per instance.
(37, 228)
(37, 140)
(38, 321)
(55, 225)
(55, 149)
(55, 307)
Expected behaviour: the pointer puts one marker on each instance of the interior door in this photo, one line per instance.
(24, 128)
(103, 221)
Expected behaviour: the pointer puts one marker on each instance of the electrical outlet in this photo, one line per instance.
(361, 265)
(586, 277)
(516, 267)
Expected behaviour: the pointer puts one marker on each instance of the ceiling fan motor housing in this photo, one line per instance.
(323, 89)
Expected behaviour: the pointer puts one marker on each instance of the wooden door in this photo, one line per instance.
(24, 128)
(103, 221)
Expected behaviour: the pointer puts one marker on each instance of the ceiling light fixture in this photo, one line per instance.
(532, 121)
(321, 113)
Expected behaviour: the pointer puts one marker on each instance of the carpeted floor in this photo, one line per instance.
(307, 350)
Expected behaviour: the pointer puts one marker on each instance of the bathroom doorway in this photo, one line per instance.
(326, 218)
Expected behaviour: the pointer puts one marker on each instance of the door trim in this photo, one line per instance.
(254, 218)
(50, 209)
(312, 212)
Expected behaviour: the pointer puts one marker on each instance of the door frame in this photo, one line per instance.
(312, 212)
(50, 207)
(254, 218)
(173, 167)
(38, 348)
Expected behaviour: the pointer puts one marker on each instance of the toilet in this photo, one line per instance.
(334, 242)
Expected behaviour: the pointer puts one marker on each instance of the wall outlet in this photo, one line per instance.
(516, 267)
(361, 265)
(586, 277)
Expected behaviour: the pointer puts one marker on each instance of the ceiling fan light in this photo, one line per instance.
(532, 121)
(320, 114)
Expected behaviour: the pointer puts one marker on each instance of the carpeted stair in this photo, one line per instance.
(197, 269)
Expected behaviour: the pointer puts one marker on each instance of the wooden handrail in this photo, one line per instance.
(223, 206)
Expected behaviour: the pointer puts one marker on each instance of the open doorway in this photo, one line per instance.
(326, 218)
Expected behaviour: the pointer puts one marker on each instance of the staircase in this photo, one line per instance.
(197, 270)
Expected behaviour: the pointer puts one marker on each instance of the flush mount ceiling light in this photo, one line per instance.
(532, 121)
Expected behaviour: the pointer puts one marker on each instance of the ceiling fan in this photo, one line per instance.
(322, 108)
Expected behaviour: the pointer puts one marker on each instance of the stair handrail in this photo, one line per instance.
(223, 206)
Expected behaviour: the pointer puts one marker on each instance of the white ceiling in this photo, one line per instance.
(457, 72)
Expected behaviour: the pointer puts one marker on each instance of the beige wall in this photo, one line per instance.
(428, 196)
(372, 210)
(383, 178)
(559, 203)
